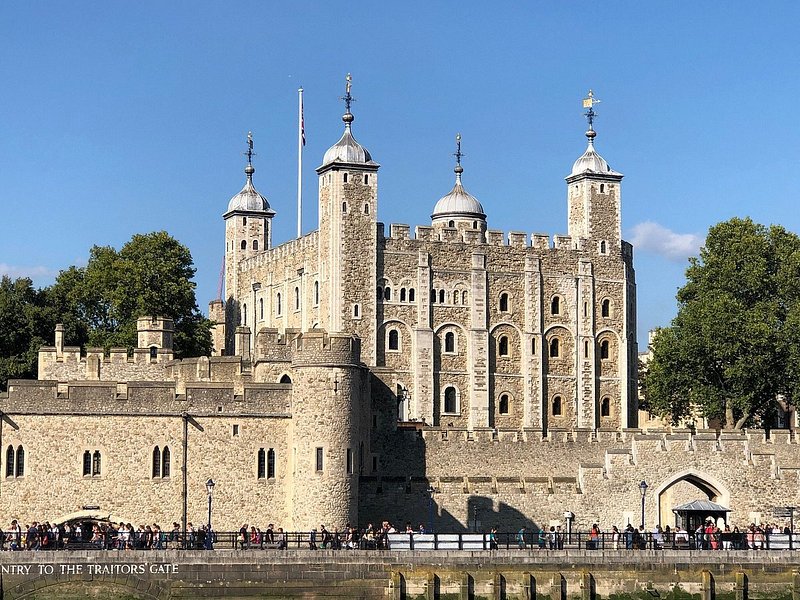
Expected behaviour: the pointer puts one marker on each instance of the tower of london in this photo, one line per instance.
(363, 372)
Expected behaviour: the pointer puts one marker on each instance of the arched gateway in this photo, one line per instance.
(684, 487)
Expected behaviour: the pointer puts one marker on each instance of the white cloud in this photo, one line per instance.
(35, 273)
(655, 238)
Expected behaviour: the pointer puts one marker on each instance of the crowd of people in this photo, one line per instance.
(124, 536)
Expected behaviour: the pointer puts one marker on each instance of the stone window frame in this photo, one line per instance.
(456, 400)
(161, 463)
(454, 350)
(265, 464)
(556, 305)
(349, 461)
(255, 245)
(508, 399)
(15, 461)
(399, 340)
(243, 314)
(557, 402)
(503, 346)
(356, 312)
(278, 304)
(319, 459)
(605, 407)
(554, 343)
(504, 302)
(604, 348)
(298, 303)
(602, 247)
(92, 463)
(606, 308)
(316, 292)
(243, 245)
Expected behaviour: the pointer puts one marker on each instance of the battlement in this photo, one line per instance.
(493, 237)
(297, 247)
(145, 397)
(321, 348)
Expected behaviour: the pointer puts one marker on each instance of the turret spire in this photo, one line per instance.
(589, 103)
(348, 100)
(458, 154)
(249, 169)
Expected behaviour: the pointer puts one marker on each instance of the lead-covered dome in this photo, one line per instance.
(249, 199)
(458, 202)
(347, 149)
(590, 161)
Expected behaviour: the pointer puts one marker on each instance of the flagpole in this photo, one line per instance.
(300, 163)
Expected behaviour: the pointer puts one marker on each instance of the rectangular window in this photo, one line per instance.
(235, 430)
(271, 464)
(261, 468)
(319, 459)
(374, 464)
(349, 461)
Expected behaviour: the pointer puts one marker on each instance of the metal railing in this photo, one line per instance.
(521, 540)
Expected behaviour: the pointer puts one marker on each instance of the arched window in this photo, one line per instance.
(356, 311)
(278, 306)
(456, 296)
(380, 293)
(165, 460)
(344, 178)
(285, 379)
(261, 308)
(556, 406)
(605, 407)
(153, 352)
(464, 297)
(449, 342)
(244, 244)
(366, 209)
(603, 349)
(20, 461)
(10, 457)
(586, 349)
(244, 220)
(450, 400)
(297, 298)
(394, 339)
(503, 302)
(366, 178)
(502, 345)
(387, 293)
(441, 296)
(433, 295)
(344, 207)
(605, 308)
(603, 247)
(402, 294)
(451, 223)
(262, 463)
(411, 295)
(87, 463)
(255, 244)
(96, 463)
(316, 293)
(554, 348)
(602, 188)
(503, 404)
(271, 463)
(555, 306)
(156, 462)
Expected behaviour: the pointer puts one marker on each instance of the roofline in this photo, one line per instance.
(466, 215)
(613, 176)
(255, 213)
(367, 166)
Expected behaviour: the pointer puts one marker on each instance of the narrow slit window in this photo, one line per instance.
(554, 348)
(156, 462)
(261, 462)
(503, 405)
(503, 302)
(556, 406)
(271, 463)
(450, 342)
(502, 345)
(165, 462)
(319, 459)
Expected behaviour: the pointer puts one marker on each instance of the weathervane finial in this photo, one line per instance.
(589, 103)
(348, 99)
(458, 154)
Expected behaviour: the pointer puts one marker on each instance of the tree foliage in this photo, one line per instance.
(99, 303)
(733, 347)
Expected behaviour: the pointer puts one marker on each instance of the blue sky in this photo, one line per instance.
(128, 117)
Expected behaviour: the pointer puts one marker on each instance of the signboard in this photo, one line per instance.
(783, 512)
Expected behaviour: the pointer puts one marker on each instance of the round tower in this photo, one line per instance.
(328, 394)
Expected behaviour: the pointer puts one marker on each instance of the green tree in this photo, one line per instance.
(21, 329)
(150, 275)
(732, 349)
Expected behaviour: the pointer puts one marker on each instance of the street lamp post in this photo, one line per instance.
(431, 491)
(643, 491)
(209, 537)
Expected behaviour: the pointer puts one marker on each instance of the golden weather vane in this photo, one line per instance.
(589, 103)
